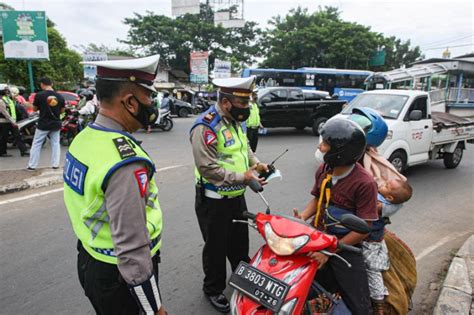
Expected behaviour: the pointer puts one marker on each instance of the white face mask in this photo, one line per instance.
(319, 156)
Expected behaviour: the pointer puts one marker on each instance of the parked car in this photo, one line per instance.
(180, 108)
(416, 134)
(294, 107)
(316, 95)
(69, 97)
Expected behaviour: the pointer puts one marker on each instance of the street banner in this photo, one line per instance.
(222, 69)
(90, 71)
(25, 34)
(199, 67)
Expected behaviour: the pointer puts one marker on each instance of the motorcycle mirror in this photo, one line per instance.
(354, 223)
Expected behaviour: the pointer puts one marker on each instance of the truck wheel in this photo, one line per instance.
(318, 124)
(398, 160)
(183, 112)
(452, 160)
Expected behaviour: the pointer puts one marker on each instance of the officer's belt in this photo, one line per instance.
(111, 252)
(228, 188)
(214, 195)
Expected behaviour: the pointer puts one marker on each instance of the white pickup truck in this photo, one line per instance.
(416, 134)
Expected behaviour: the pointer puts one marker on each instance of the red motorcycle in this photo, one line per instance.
(69, 126)
(279, 278)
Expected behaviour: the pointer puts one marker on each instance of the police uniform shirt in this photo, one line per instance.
(126, 209)
(206, 156)
(5, 116)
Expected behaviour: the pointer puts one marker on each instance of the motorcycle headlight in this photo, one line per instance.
(281, 245)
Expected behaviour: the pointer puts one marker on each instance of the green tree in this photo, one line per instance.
(114, 51)
(62, 67)
(398, 53)
(323, 39)
(174, 39)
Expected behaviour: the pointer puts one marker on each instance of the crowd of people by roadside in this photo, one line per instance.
(48, 106)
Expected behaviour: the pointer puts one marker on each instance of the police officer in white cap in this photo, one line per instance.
(225, 164)
(111, 195)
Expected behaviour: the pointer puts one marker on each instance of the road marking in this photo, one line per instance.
(439, 243)
(31, 196)
(169, 168)
(52, 191)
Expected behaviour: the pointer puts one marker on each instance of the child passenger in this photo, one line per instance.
(393, 191)
(392, 194)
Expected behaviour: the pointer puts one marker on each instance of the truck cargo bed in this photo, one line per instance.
(444, 120)
(450, 128)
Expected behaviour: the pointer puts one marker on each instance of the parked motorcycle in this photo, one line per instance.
(69, 126)
(27, 129)
(280, 277)
(164, 122)
(203, 104)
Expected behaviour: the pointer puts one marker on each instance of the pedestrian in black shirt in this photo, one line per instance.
(50, 105)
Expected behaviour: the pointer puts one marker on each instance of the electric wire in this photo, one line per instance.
(443, 47)
(445, 41)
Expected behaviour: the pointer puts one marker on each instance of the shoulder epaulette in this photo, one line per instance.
(209, 117)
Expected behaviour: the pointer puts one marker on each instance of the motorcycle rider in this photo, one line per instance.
(21, 104)
(89, 110)
(165, 102)
(343, 186)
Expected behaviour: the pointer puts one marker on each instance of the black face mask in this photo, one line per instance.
(146, 114)
(239, 114)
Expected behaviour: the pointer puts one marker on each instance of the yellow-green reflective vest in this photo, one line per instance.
(232, 151)
(94, 155)
(10, 106)
(254, 119)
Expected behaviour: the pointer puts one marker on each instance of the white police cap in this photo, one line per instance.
(239, 87)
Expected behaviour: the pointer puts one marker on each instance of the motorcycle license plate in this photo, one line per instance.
(260, 287)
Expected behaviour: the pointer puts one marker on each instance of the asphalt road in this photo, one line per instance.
(37, 245)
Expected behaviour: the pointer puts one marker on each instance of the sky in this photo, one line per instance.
(431, 24)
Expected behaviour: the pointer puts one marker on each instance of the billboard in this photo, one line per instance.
(199, 67)
(25, 34)
(90, 71)
(222, 69)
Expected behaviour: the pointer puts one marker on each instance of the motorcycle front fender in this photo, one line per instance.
(296, 270)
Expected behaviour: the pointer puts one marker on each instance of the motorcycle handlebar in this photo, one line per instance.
(249, 215)
(349, 248)
(255, 186)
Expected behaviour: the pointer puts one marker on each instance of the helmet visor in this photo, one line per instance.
(362, 121)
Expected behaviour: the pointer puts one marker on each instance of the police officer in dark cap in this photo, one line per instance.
(111, 195)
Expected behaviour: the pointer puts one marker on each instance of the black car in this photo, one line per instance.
(181, 108)
(293, 107)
